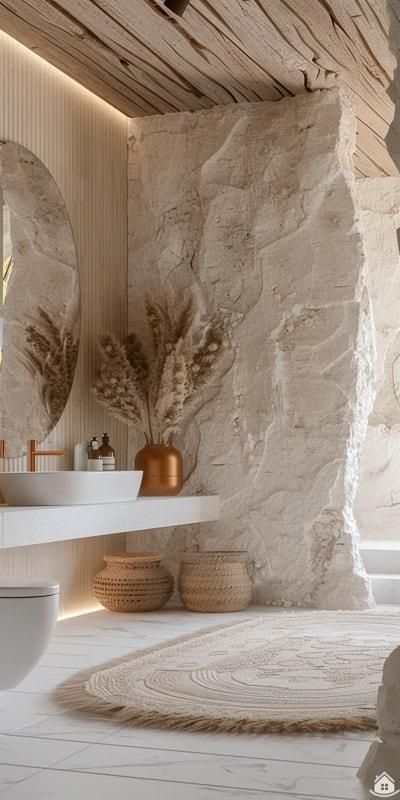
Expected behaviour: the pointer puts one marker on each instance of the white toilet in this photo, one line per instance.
(28, 612)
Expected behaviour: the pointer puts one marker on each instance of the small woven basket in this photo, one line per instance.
(215, 581)
(133, 582)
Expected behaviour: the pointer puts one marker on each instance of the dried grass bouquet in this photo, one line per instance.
(50, 356)
(152, 388)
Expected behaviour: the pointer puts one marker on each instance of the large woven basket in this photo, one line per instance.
(214, 581)
(133, 582)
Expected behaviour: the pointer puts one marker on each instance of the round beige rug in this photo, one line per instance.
(283, 672)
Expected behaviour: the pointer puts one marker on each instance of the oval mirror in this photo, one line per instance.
(39, 300)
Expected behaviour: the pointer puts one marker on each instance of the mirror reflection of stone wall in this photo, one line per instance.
(39, 300)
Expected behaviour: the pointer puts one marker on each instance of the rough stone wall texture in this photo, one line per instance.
(255, 205)
(378, 496)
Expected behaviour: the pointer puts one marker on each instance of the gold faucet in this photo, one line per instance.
(33, 454)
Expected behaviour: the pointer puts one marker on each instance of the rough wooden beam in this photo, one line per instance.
(143, 59)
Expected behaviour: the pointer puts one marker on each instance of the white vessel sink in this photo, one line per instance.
(69, 488)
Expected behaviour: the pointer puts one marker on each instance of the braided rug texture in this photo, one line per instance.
(283, 672)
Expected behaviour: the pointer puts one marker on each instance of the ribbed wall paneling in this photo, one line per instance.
(83, 143)
(72, 563)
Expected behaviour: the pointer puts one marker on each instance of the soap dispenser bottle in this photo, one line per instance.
(95, 461)
(107, 453)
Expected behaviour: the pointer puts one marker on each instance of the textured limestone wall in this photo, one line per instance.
(378, 498)
(255, 205)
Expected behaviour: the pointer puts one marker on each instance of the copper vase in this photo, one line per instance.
(162, 470)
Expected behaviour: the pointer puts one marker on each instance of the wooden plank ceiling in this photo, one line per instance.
(143, 59)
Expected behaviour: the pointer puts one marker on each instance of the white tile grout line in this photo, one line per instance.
(220, 787)
(18, 783)
(103, 743)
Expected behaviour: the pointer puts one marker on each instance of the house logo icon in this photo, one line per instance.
(384, 786)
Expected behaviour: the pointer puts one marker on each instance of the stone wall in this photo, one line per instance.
(378, 498)
(255, 205)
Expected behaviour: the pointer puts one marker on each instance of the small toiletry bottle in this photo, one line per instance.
(80, 456)
(94, 459)
(107, 453)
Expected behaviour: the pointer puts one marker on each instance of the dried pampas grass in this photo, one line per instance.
(152, 388)
(50, 357)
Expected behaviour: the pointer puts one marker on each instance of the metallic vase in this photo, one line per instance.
(162, 470)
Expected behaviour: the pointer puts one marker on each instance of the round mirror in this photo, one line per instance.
(39, 300)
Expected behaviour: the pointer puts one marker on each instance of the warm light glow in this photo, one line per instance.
(80, 613)
(73, 83)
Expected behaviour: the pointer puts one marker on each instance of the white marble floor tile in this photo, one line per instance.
(60, 785)
(13, 775)
(28, 751)
(18, 710)
(72, 727)
(333, 750)
(224, 771)
(169, 620)
(83, 656)
(43, 679)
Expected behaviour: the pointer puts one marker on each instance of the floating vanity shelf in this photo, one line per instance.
(26, 525)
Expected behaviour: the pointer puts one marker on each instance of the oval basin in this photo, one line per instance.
(69, 488)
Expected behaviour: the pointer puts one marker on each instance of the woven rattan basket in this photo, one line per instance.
(215, 581)
(133, 582)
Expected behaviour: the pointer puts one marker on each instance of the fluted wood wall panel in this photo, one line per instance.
(72, 563)
(82, 141)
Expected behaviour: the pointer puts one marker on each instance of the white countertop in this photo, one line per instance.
(27, 525)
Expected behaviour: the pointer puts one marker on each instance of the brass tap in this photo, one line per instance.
(33, 454)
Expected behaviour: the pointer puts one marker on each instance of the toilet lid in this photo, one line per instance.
(27, 587)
